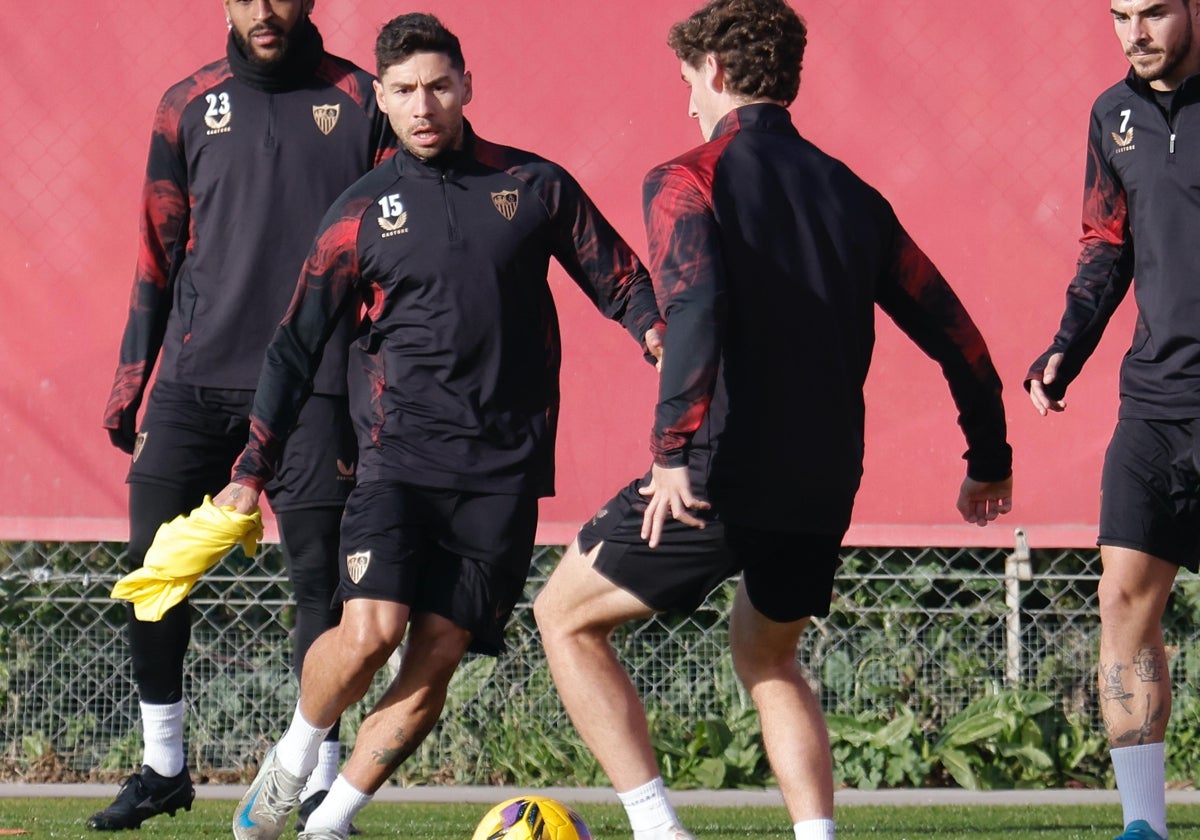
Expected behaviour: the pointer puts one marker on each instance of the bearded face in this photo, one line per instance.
(261, 30)
(1158, 38)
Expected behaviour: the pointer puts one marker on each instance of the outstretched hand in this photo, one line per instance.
(1037, 388)
(241, 498)
(980, 502)
(670, 494)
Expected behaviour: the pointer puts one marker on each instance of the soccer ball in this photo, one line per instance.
(531, 818)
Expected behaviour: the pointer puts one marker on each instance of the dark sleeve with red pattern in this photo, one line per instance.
(916, 296)
(1103, 274)
(163, 239)
(328, 284)
(686, 267)
(597, 258)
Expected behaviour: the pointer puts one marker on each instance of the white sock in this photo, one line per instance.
(341, 804)
(329, 755)
(162, 733)
(814, 830)
(1141, 780)
(299, 749)
(648, 809)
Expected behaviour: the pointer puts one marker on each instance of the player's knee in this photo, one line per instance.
(441, 645)
(544, 612)
(755, 662)
(1122, 602)
(560, 610)
(368, 646)
(1112, 596)
(559, 621)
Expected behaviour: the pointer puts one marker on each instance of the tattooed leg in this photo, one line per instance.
(1133, 681)
(1126, 729)
(411, 706)
(1112, 689)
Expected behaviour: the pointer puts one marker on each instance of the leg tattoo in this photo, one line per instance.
(1149, 666)
(392, 756)
(1111, 687)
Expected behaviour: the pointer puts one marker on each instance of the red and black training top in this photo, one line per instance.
(768, 258)
(454, 377)
(1141, 205)
(244, 160)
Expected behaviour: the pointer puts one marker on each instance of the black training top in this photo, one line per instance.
(1142, 188)
(768, 257)
(244, 160)
(454, 377)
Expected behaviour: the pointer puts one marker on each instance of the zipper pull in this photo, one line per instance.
(1172, 143)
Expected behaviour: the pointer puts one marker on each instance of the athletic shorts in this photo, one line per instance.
(191, 436)
(1150, 490)
(463, 556)
(788, 575)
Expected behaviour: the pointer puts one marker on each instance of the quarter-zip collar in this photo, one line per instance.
(1188, 91)
(763, 116)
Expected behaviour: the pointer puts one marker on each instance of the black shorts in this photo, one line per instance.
(191, 436)
(463, 556)
(1150, 490)
(788, 575)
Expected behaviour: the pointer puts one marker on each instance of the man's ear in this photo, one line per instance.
(714, 73)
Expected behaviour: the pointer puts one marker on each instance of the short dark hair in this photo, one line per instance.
(403, 36)
(760, 43)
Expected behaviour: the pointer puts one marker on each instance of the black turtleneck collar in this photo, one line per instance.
(766, 116)
(295, 70)
(1187, 91)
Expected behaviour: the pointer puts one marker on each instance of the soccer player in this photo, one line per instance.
(454, 391)
(1139, 205)
(768, 258)
(246, 155)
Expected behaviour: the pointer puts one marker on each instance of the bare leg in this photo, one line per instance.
(338, 670)
(342, 662)
(1135, 688)
(576, 612)
(793, 725)
(407, 712)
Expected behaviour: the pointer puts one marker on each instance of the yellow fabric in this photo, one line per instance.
(183, 549)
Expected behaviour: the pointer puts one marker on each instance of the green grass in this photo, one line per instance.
(61, 818)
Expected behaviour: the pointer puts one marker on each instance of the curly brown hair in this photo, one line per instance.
(760, 43)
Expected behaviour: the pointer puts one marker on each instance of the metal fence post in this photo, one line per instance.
(1016, 569)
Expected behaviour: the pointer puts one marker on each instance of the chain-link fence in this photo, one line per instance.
(939, 626)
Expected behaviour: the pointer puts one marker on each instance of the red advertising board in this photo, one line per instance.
(972, 122)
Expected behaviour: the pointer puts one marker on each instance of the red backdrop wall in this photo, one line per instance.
(971, 122)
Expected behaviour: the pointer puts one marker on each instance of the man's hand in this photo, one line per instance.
(241, 498)
(980, 502)
(1037, 391)
(669, 493)
(124, 437)
(654, 344)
